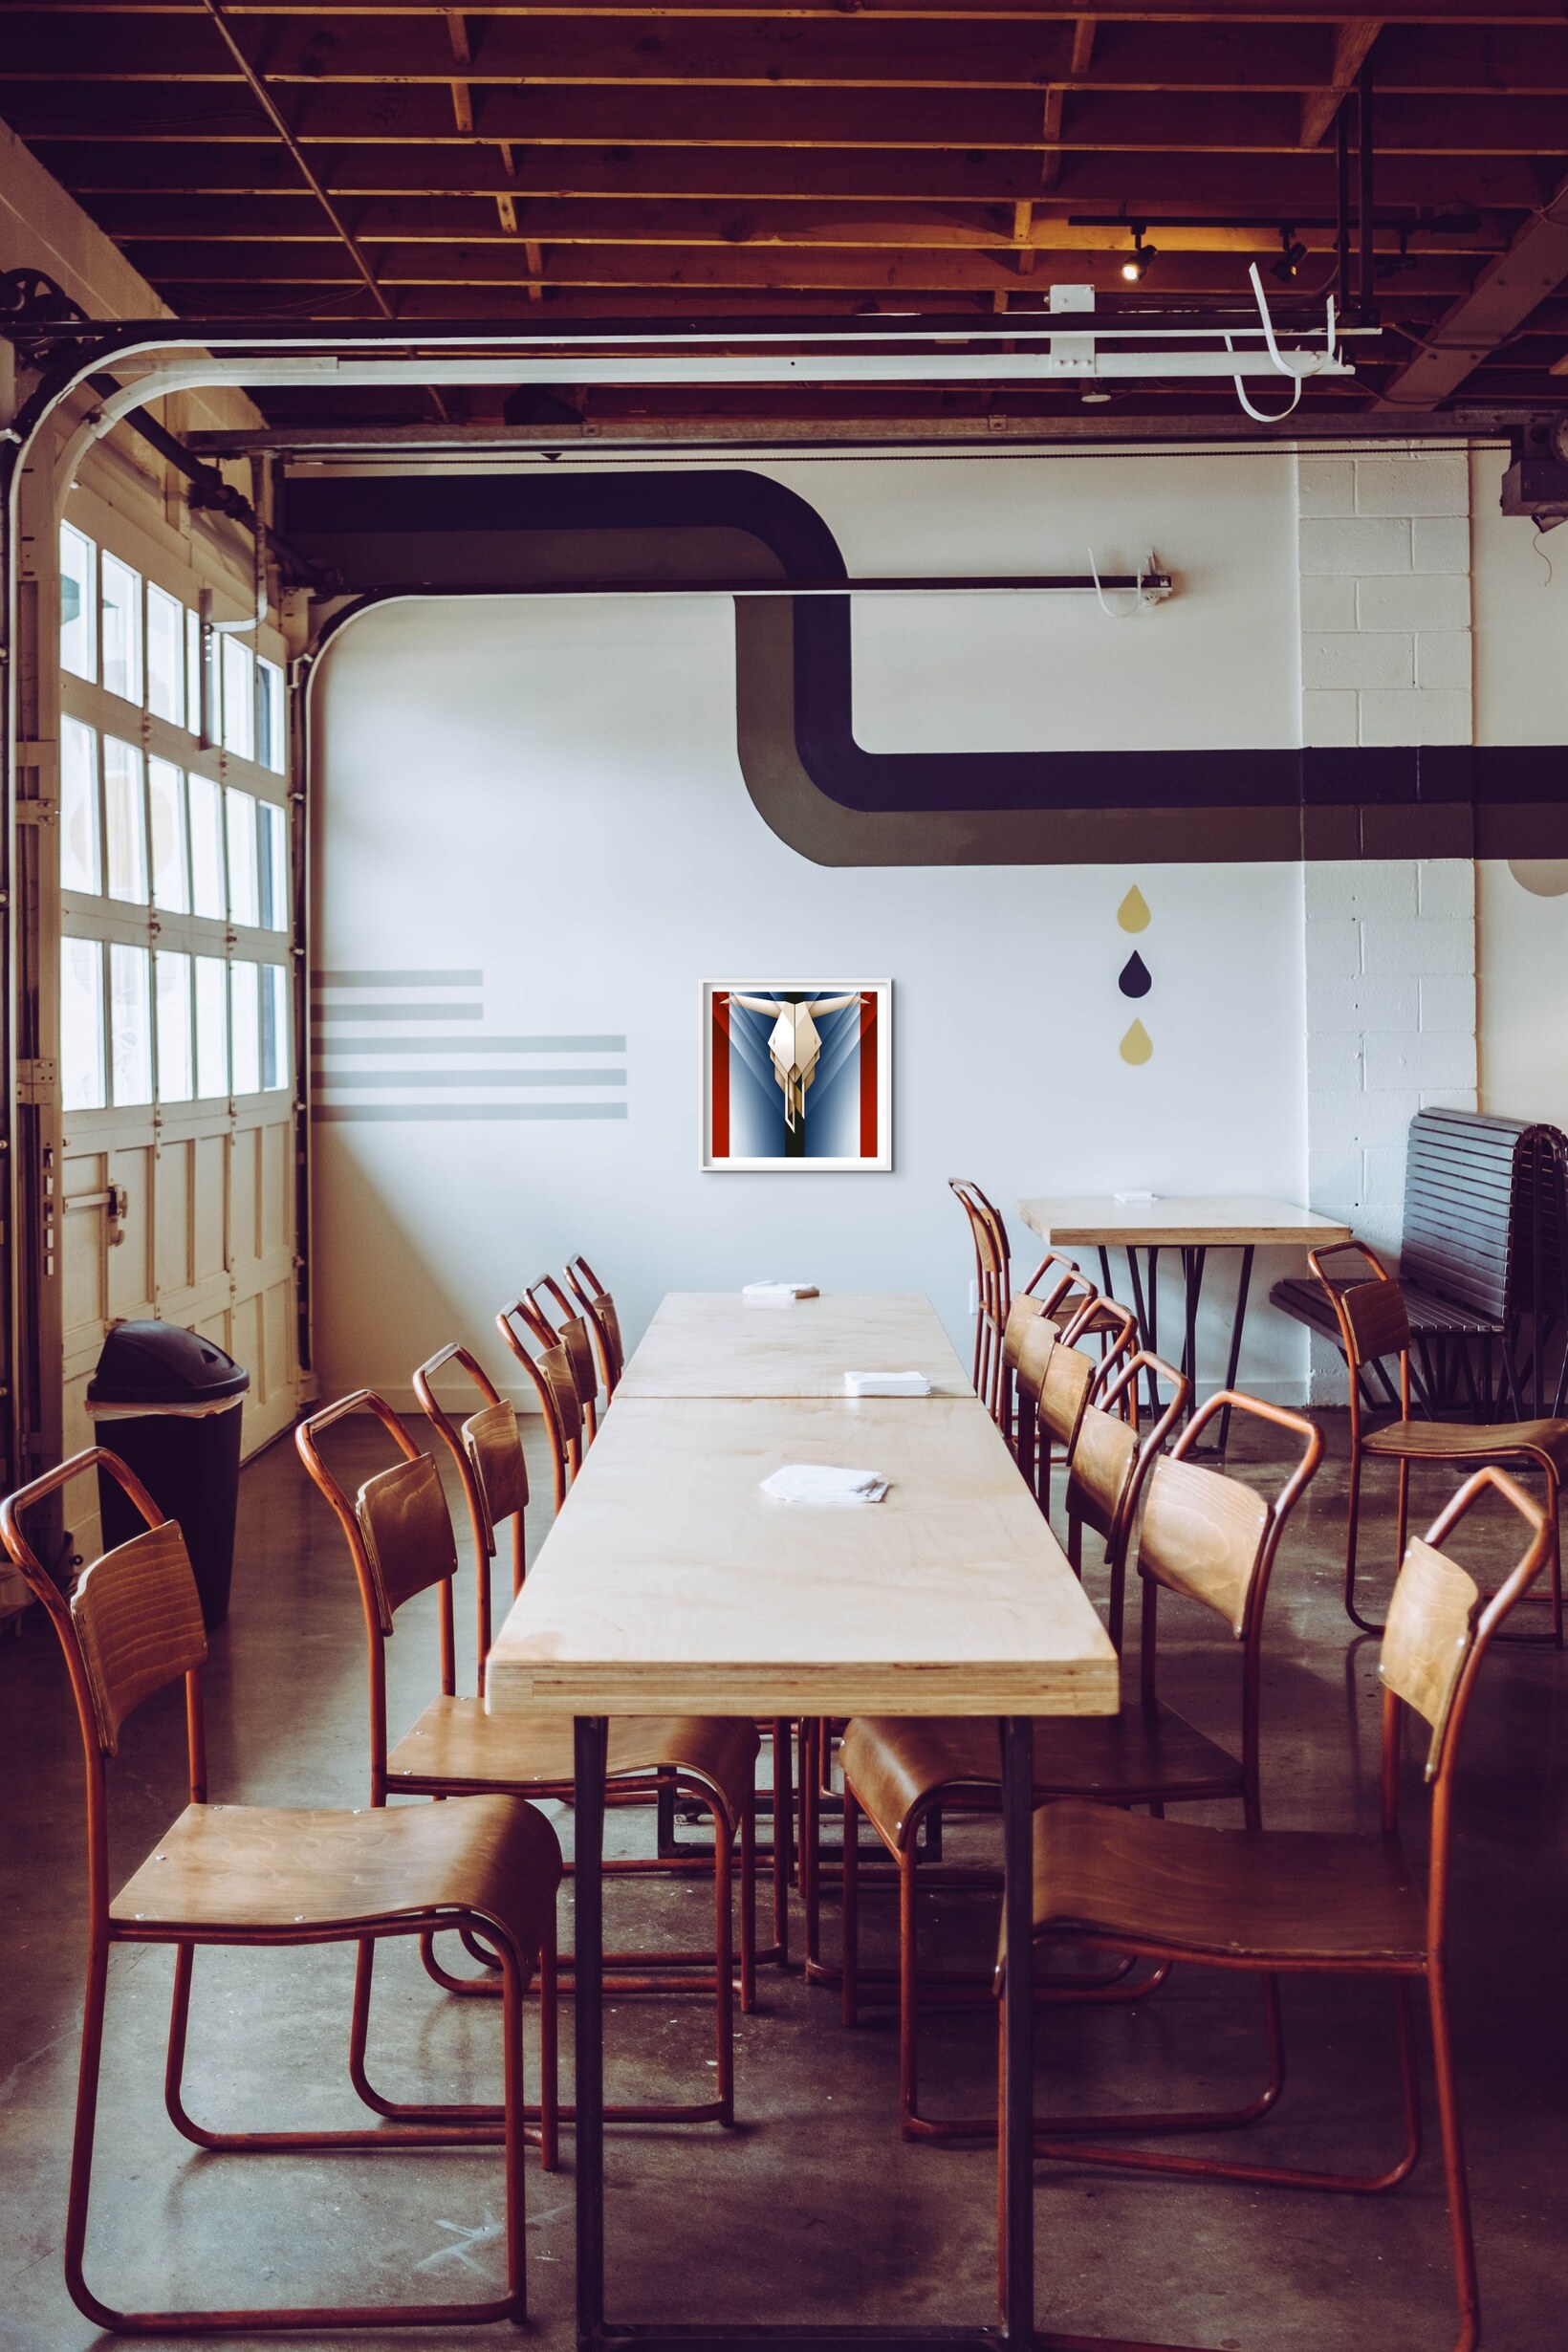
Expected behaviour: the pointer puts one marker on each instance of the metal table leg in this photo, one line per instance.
(1018, 2118)
(589, 1745)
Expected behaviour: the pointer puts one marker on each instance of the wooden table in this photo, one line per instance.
(1194, 1227)
(707, 1343)
(670, 1581)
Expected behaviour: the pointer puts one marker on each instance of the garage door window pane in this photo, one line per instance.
(244, 897)
(207, 884)
(81, 852)
(212, 1026)
(78, 604)
(275, 866)
(166, 655)
(246, 1047)
(130, 1023)
(193, 672)
(176, 1072)
(81, 1025)
(170, 863)
(125, 821)
(122, 608)
(274, 1027)
(239, 698)
(269, 715)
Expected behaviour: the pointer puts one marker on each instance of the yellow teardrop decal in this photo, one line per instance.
(1137, 1045)
(1133, 915)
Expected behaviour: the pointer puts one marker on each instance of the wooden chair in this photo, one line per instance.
(399, 1533)
(994, 1289)
(1054, 1378)
(1203, 1536)
(1374, 1325)
(489, 1440)
(257, 1875)
(558, 1324)
(1312, 1902)
(599, 1308)
(555, 1385)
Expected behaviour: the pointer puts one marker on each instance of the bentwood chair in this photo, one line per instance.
(993, 1285)
(555, 1322)
(555, 1385)
(1373, 1326)
(254, 1875)
(599, 1308)
(399, 1533)
(1205, 1536)
(1312, 1902)
(1053, 1380)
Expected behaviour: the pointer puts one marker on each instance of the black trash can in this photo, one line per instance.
(169, 1403)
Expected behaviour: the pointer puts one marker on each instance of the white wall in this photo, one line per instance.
(551, 794)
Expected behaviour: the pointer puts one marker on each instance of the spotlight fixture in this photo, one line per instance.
(1136, 265)
(1292, 254)
(1395, 265)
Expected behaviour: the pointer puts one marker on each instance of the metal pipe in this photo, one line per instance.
(1341, 202)
(1366, 219)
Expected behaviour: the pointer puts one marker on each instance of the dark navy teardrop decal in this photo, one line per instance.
(1133, 979)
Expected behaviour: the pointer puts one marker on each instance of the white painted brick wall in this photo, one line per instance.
(1390, 942)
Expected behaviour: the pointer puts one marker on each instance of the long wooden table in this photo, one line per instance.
(708, 1343)
(670, 1582)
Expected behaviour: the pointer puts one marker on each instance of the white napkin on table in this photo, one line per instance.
(776, 1294)
(887, 1385)
(824, 1482)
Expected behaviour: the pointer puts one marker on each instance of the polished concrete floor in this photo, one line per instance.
(812, 2209)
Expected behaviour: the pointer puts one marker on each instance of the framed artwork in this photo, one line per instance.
(798, 1073)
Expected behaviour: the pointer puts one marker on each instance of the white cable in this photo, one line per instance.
(1114, 612)
(1261, 416)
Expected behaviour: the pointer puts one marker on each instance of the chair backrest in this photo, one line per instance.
(1369, 1308)
(600, 1307)
(1436, 1634)
(1066, 1378)
(1110, 1461)
(560, 1325)
(130, 1625)
(554, 1384)
(408, 1532)
(1207, 1534)
(486, 1454)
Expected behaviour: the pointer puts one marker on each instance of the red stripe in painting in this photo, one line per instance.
(868, 1077)
(719, 1083)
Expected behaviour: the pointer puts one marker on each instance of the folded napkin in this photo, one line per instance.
(776, 1294)
(1127, 1200)
(887, 1385)
(823, 1482)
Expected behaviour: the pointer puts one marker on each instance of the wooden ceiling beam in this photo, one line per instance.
(1154, 184)
(1352, 45)
(1502, 299)
(1173, 122)
(1481, 14)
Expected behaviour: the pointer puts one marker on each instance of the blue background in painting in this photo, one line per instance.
(756, 1100)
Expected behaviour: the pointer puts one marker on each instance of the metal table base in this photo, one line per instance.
(1144, 1283)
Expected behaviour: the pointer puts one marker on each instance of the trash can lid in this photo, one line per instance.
(163, 1364)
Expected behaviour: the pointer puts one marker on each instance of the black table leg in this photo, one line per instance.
(1193, 1262)
(1018, 2120)
(588, 1881)
(1233, 1364)
(1148, 1316)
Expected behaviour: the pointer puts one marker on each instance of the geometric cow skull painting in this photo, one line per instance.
(797, 1076)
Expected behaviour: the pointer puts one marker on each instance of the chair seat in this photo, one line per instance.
(1226, 1894)
(238, 1868)
(457, 1743)
(895, 1764)
(1469, 1441)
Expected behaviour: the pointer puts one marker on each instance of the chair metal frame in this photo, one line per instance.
(453, 2126)
(1427, 1673)
(659, 1973)
(1374, 1325)
(554, 1383)
(600, 1307)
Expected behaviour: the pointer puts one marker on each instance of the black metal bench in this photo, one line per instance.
(1482, 1266)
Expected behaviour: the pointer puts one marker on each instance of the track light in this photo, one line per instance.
(1136, 265)
(1292, 254)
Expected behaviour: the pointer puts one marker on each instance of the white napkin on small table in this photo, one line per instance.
(887, 1385)
(776, 1294)
(824, 1482)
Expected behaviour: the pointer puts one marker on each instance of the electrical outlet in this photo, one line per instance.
(974, 1296)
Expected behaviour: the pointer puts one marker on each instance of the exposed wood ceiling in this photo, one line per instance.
(275, 158)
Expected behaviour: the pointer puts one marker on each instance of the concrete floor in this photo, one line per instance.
(812, 2209)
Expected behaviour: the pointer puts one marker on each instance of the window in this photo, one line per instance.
(207, 896)
(176, 1070)
(78, 602)
(125, 821)
(170, 861)
(275, 866)
(212, 1025)
(270, 749)
(239, 698)
(244, 897)
(81, 848)
(130, 1022)
(81, 1025)
(275, 1072)
(245, 979)
(193, 671)
(121, 604)
(166, 655)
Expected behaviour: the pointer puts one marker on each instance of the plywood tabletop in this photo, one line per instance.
(671, 1583)
(708, 1343)
(1226, 1221)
